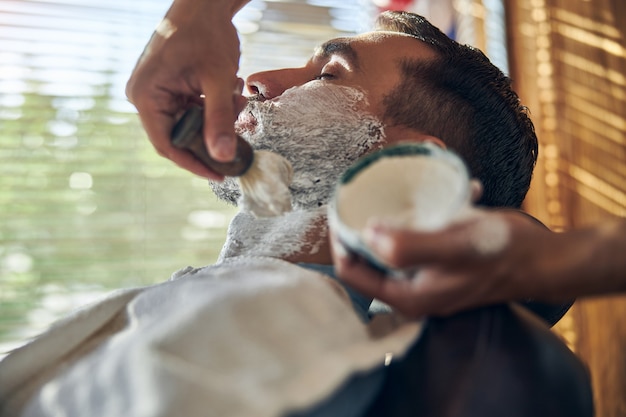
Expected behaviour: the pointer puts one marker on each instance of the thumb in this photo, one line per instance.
(219, 120)
(403, 248)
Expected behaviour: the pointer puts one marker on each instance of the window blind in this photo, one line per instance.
(86, 204)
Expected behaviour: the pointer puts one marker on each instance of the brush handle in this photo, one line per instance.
(187, 135)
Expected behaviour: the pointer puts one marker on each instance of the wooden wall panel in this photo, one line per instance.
(568, 61)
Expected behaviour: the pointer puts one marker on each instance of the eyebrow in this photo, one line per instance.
(339, 47)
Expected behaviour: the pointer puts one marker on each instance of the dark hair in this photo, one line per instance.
(466, 101)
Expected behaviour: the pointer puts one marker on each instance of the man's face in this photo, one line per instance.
(325, 115)
(368, 62)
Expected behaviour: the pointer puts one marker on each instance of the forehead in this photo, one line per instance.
(377, 46)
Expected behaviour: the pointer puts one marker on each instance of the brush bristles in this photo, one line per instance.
(265, 185)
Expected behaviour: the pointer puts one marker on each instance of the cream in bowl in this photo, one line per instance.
(418, 186)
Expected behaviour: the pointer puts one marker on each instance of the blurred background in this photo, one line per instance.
(86, 205)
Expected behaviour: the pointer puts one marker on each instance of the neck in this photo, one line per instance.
(297, 236)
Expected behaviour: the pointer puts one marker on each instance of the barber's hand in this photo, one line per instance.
(494, 256)
(194, 51)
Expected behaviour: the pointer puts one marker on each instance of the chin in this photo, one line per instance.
(227, 190)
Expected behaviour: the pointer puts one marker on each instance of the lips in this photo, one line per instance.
(246, 122)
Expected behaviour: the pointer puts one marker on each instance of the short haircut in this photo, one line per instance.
(467, 102)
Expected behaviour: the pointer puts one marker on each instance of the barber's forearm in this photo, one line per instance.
(587, 262)
(183, 10)
(238, 4)
(609, 253)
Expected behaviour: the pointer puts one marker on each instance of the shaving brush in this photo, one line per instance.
(263, 176)
(187, 134)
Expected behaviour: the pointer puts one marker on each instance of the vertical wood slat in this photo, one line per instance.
(568, 62)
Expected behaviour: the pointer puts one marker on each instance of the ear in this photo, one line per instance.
(434, 140)
(476, 189)
(397, 134)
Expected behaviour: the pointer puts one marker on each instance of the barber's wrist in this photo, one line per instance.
(607, 245)
(183, 11)
(589, 261)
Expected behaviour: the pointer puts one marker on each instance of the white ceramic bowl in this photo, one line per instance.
(412, 185)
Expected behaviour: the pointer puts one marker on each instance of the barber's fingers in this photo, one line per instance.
(431, 291)
(158, 125)
(371, 282)
(186, 161)
(160, 102)
(480, 236)
(401, 248)
(428, 293)
(222, 104)
(353, 271)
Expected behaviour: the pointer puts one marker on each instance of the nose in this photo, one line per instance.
(271, 84)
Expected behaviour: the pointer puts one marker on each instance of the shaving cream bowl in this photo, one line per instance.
(411, 185)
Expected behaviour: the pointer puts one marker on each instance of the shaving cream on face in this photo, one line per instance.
(265, 186)
(277, 237)
(321, 130)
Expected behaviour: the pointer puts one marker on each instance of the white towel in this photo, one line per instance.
(247, 337)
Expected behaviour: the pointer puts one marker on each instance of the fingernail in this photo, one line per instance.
(224, 148)
(377, 239)
(339, 250)
(239, 87)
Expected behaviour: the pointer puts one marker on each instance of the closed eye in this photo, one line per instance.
(324, 76)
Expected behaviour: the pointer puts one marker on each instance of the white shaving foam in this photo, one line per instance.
(265, 186)
(321, 129)
(280, 236)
